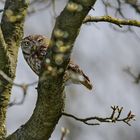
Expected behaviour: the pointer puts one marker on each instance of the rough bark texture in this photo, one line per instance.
(50, 101)
(11, 32)
(4, 87)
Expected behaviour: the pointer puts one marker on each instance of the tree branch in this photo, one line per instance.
(114, 117)
(12, 28)
(113, 20)
(10, 34)
(3, 91)
(50, 102)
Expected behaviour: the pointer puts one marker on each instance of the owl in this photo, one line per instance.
(34, 49)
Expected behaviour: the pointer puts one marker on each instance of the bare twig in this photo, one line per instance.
(113, 20)
(115, 117)
(80, 119)
(23, 86)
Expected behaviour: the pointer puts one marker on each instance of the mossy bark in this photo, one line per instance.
(50, 102)
(11, 32)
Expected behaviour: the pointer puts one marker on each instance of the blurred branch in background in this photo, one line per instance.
(134, 4)
(135, 77)
(23, 86)
(117, 9)
(37, 5)
(114, 117)
(40, 5)
(117, 6)
(49, 106)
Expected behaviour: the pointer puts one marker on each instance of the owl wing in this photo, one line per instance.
(78, 76)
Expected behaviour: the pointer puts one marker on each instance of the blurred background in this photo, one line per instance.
(104, 52)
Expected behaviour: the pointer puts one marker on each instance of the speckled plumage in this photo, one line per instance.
(34, 48)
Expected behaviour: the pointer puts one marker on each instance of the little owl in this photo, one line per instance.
(34, 48)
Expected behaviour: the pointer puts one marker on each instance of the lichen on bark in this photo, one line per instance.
(50, 101)
(11, 33)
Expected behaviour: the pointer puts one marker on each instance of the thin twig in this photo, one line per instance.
(114, 117)
(24, 86)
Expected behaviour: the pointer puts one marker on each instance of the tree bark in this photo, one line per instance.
(11, 32)
(50, 102)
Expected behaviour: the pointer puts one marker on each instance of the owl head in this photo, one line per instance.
(34, 43)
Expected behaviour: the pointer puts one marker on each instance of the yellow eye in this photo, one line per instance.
(40, 40)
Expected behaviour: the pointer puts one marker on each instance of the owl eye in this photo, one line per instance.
(40, 40)
(26, 43)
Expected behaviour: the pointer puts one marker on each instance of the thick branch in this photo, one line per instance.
(10, 35)
(3, 52)
(3, 91)
(113, 20)
(50, 101)
(12, 28)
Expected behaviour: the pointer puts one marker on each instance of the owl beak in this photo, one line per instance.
(34, 48)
